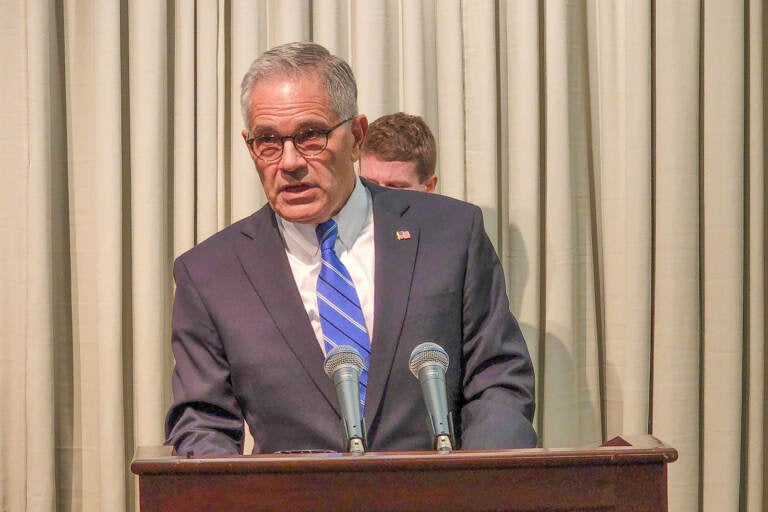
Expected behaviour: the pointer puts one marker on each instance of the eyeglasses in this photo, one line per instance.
(308, 142)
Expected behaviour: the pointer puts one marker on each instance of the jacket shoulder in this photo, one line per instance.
(397, 199)
(224, 240)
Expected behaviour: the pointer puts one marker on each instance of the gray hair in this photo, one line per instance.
(301, 59)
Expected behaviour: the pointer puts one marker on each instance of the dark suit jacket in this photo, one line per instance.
(245, 348)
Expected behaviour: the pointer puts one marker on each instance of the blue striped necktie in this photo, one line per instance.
(341, 316)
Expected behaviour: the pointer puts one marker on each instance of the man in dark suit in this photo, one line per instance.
(247, 335)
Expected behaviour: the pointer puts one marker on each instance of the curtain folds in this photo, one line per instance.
(617, 150)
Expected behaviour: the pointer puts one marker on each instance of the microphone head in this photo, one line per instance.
(427, 353)
(343, 355)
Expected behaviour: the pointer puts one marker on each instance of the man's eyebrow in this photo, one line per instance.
(317, 123)
(399, 184)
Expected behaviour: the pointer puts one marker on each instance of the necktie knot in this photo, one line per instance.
(327, 232)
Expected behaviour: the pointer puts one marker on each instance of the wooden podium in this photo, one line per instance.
(625, 474)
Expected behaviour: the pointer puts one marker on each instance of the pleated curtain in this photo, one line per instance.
(616, 148)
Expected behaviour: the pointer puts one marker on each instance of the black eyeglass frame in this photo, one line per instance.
(292, 138)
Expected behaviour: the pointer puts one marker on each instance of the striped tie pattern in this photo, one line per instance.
(341, 316)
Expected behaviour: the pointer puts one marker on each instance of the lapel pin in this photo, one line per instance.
(403, 235)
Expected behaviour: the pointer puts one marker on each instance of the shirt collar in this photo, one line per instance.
(300, 239)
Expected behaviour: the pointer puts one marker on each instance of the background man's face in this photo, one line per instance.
(300, 188)
(394, 174)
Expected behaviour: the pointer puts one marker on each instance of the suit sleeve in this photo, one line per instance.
(205, 417)
(498, 380)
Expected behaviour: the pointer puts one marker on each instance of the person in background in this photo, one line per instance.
(254, 314)
(399, 151)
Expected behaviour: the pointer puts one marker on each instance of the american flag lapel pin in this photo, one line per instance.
(403, 235)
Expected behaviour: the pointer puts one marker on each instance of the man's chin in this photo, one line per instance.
(309, 213)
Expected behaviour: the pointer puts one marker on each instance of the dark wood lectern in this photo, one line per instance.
(625, 474)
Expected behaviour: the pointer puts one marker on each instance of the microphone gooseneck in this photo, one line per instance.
(343, 365)
(428, 363)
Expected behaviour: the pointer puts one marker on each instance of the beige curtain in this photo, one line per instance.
(617, 149)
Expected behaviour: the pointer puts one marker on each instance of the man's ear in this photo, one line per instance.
(430, 183)
(359, 128)
(246, 136)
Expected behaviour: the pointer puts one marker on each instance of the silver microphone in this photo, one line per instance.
(344, 365)
(428, 363)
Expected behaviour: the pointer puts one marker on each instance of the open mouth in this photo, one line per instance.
(296, 190)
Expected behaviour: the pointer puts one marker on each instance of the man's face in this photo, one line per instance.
(306, 189)
(394, 174)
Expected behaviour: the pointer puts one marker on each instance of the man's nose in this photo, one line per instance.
(291, 159)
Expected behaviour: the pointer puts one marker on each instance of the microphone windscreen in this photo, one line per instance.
(342, 355)
(427, 353)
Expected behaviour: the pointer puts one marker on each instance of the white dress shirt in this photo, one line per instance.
(354, 246)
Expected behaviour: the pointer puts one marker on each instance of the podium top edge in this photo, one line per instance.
(625, 450)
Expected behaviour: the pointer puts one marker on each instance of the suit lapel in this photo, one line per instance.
(263, 258)
(395, 258)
